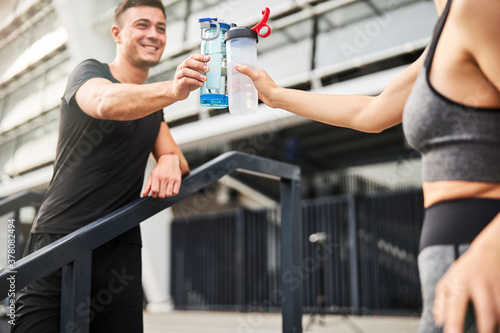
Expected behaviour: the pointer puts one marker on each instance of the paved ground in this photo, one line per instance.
(232, 322)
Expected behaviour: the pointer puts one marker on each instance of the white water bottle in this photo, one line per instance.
(241, 48)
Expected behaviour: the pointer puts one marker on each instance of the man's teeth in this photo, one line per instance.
(150, 48)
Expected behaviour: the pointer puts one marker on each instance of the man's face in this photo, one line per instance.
(142, 35)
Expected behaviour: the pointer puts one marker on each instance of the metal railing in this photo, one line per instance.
(13, 203)
(73, 253)
(12, 206)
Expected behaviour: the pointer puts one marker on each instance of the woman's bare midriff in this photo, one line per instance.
(437, 191)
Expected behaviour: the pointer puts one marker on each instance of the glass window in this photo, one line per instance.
(371, 36)
(7, 150)
(55, 84)
(33, 44)
(344, 16)
(292, 34)
(33, 149)
(176, 11)
(11, 9)
(384, 5)
(175, 38)
(23, 104)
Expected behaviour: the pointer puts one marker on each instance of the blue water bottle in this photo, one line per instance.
(213, 92)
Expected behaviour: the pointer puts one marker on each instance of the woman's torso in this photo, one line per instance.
(455, 78)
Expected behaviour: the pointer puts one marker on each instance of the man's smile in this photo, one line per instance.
(150, 47)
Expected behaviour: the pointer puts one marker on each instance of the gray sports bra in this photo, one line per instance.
(457, 142)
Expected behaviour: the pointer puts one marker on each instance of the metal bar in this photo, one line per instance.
(258, 174)
(240, 260)
(19, 200)
(353, 255)
(375, 223)
(290, 256)
(75, 289)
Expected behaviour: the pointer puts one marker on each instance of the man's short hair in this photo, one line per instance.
(126, 4)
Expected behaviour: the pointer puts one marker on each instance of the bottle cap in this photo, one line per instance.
(207, 22)
(236, 32)
(212, 22)
(263, 24)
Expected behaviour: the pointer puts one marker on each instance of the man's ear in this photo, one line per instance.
(115, 33)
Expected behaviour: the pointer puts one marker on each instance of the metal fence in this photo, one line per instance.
(366, 264)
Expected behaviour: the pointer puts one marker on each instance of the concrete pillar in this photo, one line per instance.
(88, 28)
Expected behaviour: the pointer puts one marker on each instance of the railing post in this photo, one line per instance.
(240, 260)
(290, 256)
(75, 290)
(353, 254)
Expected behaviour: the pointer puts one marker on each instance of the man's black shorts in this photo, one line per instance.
(115, 303)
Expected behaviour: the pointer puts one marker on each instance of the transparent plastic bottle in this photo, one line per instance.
(214, 92)
(241, 43)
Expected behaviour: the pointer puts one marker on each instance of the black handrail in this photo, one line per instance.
(19, 200)
(74, 252)
(12, 205)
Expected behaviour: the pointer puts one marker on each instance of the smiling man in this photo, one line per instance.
(110, 122)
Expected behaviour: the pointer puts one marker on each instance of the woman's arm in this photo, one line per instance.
(360, 112)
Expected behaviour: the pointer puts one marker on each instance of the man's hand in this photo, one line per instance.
(188, 77)
(165, 179)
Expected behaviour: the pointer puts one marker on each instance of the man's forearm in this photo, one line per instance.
(125, 101)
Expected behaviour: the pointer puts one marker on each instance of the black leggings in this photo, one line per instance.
(457, 221)
(116, 298)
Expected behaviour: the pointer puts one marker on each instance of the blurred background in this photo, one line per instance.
(219, 249)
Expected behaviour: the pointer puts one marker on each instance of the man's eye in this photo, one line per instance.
(161, 30)
(142, 25)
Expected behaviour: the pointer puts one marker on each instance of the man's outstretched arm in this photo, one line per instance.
(102, 99)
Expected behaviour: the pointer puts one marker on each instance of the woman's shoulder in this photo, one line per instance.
(477, 24)
(477, 14)
(477, 27)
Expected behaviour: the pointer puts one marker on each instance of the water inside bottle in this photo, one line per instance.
(244, 96)
(216, 98)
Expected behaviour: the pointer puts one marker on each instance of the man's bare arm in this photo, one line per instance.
(102, 99)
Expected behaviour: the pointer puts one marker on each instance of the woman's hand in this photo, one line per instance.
(475, 277)
(266, 87)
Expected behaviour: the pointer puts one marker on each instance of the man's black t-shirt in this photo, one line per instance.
(99, 165)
